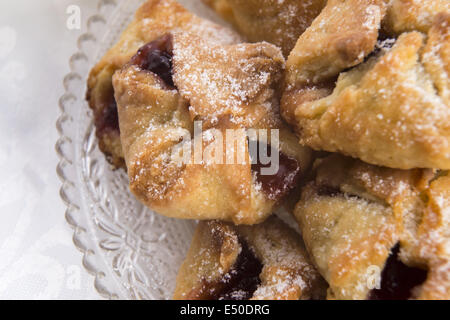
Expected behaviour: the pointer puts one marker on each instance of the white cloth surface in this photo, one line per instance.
(37, 257)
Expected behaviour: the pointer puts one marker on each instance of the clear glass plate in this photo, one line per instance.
(132, 252)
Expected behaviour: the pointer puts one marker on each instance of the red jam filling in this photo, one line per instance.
(240, 283)
(108, 119)
(397, 279)
(243, 280)
(278, 185)
(156, 57)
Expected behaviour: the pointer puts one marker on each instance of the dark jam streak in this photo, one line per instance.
(384, 42)
(278, 185)
(328, 191)
(241, 282)
(156, 57)
(238, 284)
(397, 279)
(108, 118)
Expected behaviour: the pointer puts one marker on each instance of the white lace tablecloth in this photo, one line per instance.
(37, 256)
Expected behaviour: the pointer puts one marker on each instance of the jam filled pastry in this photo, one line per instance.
(262, 262)
(274, 21)
(181, 79)
(378, 233)
(352, 89)
(153, 18)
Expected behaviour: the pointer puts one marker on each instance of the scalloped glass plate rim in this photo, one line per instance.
(134, 254)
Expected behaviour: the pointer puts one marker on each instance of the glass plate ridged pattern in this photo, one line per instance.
(132, 252)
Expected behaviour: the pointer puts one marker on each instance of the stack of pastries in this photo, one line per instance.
(357, 92)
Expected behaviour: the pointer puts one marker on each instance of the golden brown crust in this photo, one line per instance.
(187, 191)
(274, 21)
(214, 250)
(436, 55)
(237, 82)
(286, 273)
(342, 35)
(153, 19)
(429, 245)
(410, 15)
(154, 118)
(353, 214)
(391, 110)
(223, 8)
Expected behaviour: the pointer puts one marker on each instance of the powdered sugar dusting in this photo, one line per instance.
(220, 80)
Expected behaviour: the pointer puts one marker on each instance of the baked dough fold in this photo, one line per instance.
(391, 108)
(369, 227)
(223, 87)
(262, 262)
(277, 22)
